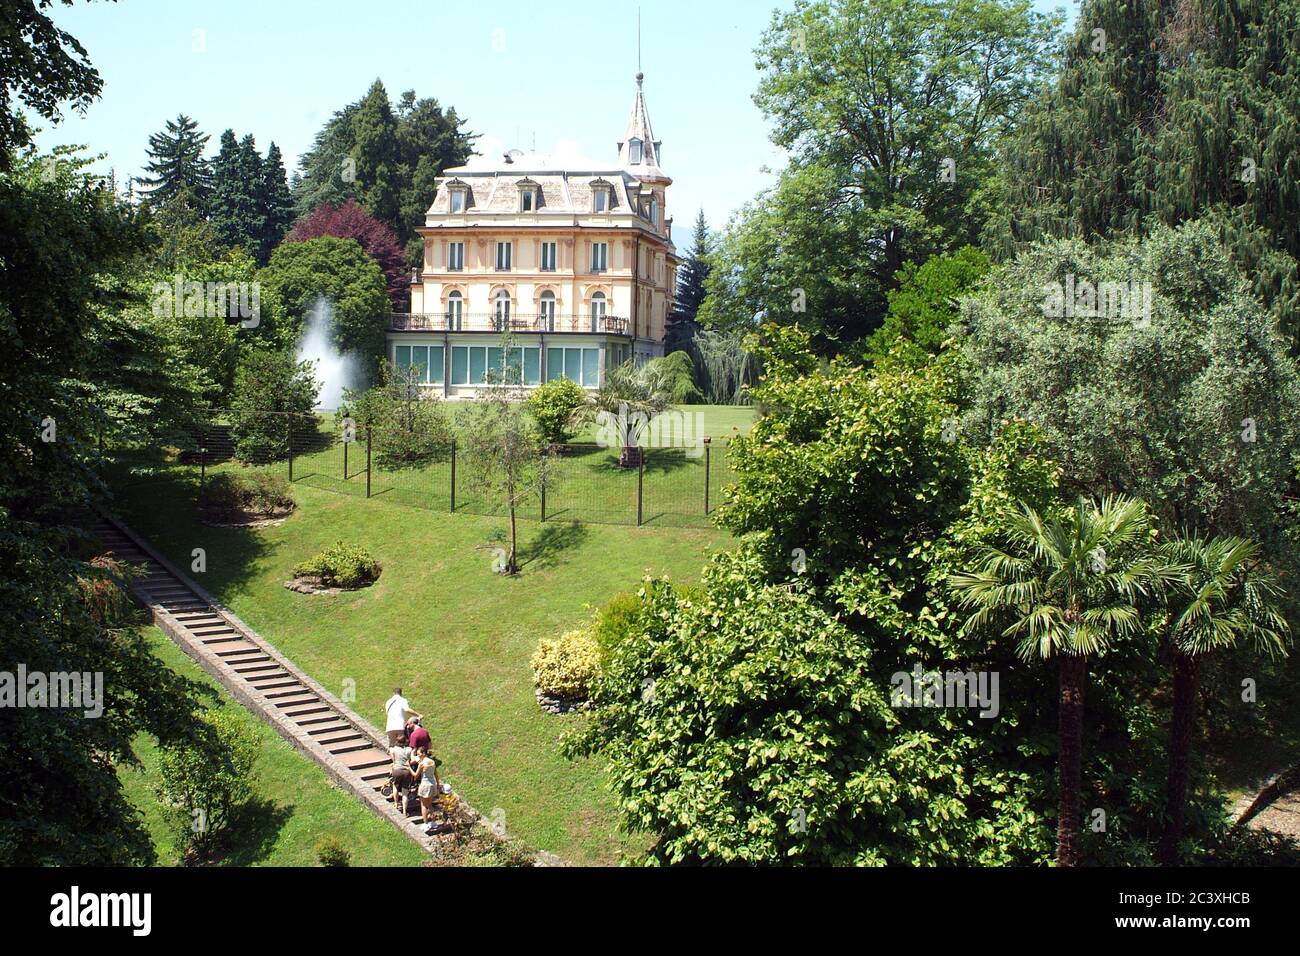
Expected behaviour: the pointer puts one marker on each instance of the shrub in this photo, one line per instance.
(231, 497)
(269, 386)
(678, 372)
(409, 425)
(105, 591)
(553, 405)
(341, 565)
(567, 666)
(204, 780)
(330, 852)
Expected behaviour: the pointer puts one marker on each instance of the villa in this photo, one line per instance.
(575, 258)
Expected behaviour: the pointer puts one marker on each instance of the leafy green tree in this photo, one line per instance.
(1070, 586)
(273, 393)
(892, 112)
(504, 448)
(206, 780)
(180, 235)
(1225, 597)
(924, 307)
(752, 720)
(52, 213)
(1165, 112)
(414, 142)
(409, 425)
(679, 374)
(44, 67)
(554, 405)
(1181, 405)
(301, 274)
(176, 164)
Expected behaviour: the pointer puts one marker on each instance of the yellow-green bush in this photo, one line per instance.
(567, 666)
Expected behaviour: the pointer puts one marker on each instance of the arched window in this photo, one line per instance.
(503, 310)
(597, 311)
(455, 311)
(547, 318)
(634, 148)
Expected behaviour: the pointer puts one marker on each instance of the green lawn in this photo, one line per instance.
(294, 805)
(455, 635)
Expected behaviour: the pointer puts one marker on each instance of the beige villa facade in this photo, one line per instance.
(574, 257)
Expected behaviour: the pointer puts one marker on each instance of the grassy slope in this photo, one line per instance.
(294, 804)
(440, 623)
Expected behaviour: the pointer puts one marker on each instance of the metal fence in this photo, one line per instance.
(585, 482)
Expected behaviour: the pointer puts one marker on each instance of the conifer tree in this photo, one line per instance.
(1163, 112)
(694, 270)
(176, 163)
(275, 202)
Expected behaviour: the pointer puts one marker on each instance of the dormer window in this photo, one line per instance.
(530, 196)
(654, 211)
(458, 198)
(634, 151)
(600, 199)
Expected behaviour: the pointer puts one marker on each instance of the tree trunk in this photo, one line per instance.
(1180, 752)
(1073, 676)
(511, 566)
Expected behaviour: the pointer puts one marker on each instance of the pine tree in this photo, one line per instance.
(237, 207)
(1164, 112)
(176, 163)
(376, 155)
(276, 203)
(694, 270)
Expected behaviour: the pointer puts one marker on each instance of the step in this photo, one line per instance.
(345, 745)
(307, 711)
(221, 638)
(254, 666)
(315, 721)
(295, 700)
(231, 651)
(277, 683)
(336, 725)
(365, 759)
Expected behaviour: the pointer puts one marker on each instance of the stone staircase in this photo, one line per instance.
(351, 751)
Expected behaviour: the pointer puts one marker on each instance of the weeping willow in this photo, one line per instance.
(727, 369)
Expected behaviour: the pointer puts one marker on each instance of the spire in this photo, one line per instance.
(639, 147)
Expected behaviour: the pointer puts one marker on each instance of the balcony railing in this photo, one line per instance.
(491, 322)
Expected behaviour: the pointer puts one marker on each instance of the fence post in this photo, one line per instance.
(289, 418)
(707, 446)
(345, 457)
(640, 481)
(453, 474)
(367, 459)
(543, 496)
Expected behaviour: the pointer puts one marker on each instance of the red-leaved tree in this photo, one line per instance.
(350, 221)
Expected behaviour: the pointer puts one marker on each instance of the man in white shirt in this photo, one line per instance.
(397, 710)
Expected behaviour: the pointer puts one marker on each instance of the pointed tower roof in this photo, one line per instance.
(639, 150)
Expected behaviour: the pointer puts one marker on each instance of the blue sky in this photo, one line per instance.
(522, 72)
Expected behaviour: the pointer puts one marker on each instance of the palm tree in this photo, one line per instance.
(1069, 585)
(1224, 596)
(627, 399)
